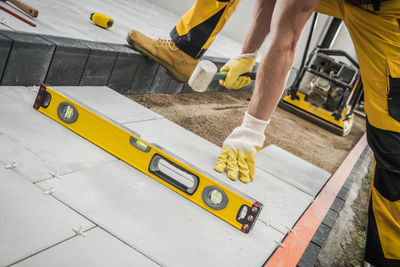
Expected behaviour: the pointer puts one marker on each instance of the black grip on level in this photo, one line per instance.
(154, 169)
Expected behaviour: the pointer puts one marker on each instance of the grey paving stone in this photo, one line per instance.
(98, 248)
(68, 63)
(124, 68)
(330, 218)
(310, 256)
(354, 172)
(31, 221)
(5, 47)
(348, 184)
(38, 144)
(99, 64)
(144, 76)
(321, 235)
(187, 89)
(160, 82)
(174, 87)
(337, 204)
(28, 60)
(343, 193)
(157, 221)
(109, 102)
(292, 169)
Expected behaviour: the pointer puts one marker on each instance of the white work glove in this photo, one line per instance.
(236, 67)
(239, 149)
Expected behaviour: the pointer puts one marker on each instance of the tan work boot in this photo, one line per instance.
(179, 64)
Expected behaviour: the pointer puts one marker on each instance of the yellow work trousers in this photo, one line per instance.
(383, 238)
(197, 29)
(376, 38)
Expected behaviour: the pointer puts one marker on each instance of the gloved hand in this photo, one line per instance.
(235, 67)
(239, 149)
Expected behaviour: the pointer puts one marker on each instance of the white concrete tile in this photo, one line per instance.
(109, 102)
(292, 169)
(157, 221)
(98, 248)
(38, 144)
(3, 26)
(31, 221)
(283, 203)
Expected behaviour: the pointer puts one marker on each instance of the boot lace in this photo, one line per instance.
(171, 45)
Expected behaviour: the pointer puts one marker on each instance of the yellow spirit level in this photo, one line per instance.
(196, 185)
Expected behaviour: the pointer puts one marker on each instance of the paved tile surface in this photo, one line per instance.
(283, 203)
(292, 169)
(36, 143)
(114, 105)
(140, 217)
(98, 248)
(159, 222)
(31, 221)
(70, 18)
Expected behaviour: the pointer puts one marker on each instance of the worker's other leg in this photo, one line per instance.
(383, 237)
(198, 28)
(288, 20)
(191, 37)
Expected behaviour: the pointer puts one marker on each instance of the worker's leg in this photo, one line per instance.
(383, 237)
(198, 28)
(191, 37)
(376, 38)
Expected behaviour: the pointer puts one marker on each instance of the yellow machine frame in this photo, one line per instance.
(296, 101)
(303, 108)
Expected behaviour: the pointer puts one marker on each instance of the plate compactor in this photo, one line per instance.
(326, 90)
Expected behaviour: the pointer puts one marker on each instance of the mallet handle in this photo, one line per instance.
(222, 75)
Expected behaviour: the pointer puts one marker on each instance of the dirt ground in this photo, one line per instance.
(213, 116)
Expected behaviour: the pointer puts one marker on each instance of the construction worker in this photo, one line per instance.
(375, 30)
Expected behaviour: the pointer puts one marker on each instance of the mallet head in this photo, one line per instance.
(202, 75)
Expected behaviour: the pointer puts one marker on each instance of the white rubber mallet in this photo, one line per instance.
(205, 73)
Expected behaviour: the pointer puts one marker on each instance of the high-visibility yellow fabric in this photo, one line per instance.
(376, 38)
(203, 10)
(387, 217)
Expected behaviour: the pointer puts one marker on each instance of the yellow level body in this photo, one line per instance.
(194, 184)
